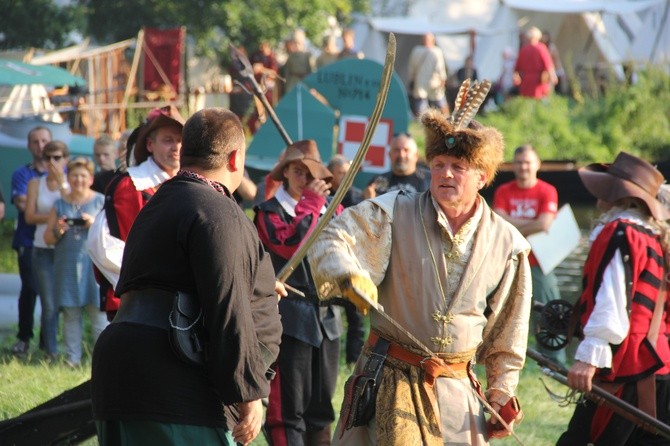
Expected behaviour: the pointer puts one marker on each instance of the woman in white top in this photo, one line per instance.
(40, 198)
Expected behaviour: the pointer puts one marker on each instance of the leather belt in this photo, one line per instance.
(149, 306)
(433, 366)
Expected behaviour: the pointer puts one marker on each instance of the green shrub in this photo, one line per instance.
(634, 118)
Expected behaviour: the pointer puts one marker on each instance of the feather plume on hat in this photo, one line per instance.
(458, 135)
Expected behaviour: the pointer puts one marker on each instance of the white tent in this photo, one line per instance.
(451, 22)
(592, 34)
(652, 43)
(595, 36)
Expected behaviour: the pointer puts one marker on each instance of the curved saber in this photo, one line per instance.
(382, 94)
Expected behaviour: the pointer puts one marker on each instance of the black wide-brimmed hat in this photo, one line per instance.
(307, 153)
(628, 176)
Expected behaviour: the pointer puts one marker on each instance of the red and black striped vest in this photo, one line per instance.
(641, 251)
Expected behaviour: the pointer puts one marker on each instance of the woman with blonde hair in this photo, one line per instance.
(67, 229)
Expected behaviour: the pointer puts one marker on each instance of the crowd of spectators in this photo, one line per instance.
(169, 252)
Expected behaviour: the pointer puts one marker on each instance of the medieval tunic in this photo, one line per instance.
(456, 293)
(190, 238)
(301, 393)
(622, 276)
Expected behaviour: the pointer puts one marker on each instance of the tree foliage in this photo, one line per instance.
(632, 118)
(112, 20)
(243, 22)
(37, 23)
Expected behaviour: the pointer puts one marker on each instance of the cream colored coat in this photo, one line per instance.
(484, 304)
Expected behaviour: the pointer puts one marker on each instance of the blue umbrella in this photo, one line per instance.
(19, 73)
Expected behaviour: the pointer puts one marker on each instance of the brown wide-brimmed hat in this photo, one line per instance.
(307, 153)
(628, 176)
(157, 118)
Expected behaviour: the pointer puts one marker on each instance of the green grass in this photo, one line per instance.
(27, 382)
(8, 262)
(31, 380)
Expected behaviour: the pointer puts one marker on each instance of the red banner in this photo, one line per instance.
(163, 48)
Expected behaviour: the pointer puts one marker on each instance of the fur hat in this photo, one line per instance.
(459, 136)
(158, 117)
(627, 176)
(307, 153)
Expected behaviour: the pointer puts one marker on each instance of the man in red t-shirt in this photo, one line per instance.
(534, 72)
(530, 204)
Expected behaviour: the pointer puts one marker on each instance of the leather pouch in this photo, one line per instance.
(360, 390)
(186, 332)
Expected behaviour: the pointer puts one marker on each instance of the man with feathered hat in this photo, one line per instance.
(454, 278)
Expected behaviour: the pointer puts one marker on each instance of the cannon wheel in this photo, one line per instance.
(552, 331)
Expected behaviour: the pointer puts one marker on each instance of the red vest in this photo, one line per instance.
(635, 358)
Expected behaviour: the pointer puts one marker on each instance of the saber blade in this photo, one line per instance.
(382, 95)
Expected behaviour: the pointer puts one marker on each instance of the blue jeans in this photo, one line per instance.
(43, 266)
(28, 295)
(73, 329)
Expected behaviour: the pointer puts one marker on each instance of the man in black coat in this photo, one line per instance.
(191, 237)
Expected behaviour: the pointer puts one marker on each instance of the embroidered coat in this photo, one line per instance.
(482, 306)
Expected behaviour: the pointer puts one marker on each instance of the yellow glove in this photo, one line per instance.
(354, 287)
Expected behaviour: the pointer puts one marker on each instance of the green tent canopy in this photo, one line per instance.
(13, 72)
(303, 117)
(337, 95)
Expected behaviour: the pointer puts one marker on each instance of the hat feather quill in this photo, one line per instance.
(470, 97)
(460, 136)
(461, 98)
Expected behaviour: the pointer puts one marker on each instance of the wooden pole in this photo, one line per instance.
(131, 77)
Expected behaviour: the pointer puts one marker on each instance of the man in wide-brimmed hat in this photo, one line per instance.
(621, 316)
(300, 410)
(452, 274)
(153, 153)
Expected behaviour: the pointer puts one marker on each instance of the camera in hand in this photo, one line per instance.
(75, 221)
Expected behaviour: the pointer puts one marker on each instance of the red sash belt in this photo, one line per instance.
(433, 366)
